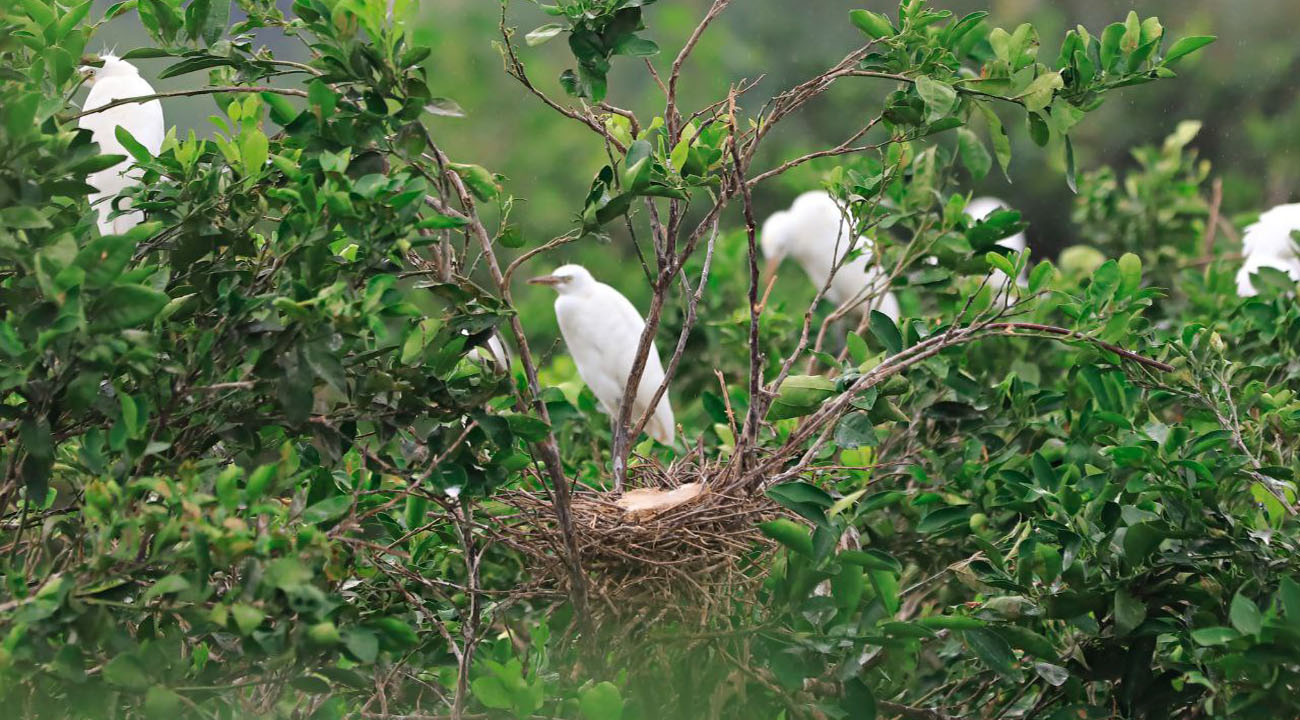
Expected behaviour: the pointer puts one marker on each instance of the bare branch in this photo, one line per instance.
(189, 93)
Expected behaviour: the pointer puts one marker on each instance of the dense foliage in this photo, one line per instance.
(257, 461)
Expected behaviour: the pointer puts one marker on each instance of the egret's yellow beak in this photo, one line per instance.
(546, 280)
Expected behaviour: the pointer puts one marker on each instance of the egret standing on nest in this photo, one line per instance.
(602, 330)
(1268, 243)
(116, 80)
(982, 207)
(816, 232)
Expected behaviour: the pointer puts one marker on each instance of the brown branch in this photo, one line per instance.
(671, 116)
(749, 430)
(913, 713)
(515, 68)
(688, 324)
(188, 93)
(1010, 327)
(844, 148)
(547, 446)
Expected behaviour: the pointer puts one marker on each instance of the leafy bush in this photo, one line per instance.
(258, 462)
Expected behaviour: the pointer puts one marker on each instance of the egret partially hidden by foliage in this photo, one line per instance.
(981, 208)
(1269, 243)
(602, 329)
(117, 80)
(817, 232)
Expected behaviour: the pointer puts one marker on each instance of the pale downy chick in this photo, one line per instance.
(116, 80)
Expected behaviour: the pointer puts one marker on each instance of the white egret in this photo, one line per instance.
(1268, 243)
(116, 80)
(982, 207)
(602, 329)
(816, 233)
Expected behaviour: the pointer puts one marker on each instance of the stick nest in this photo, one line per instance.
(683, 559)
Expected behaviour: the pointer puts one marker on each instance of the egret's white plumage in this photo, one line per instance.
(1269, 243)
(602, 329)
(982, 207)
(116, 80)
(816, 233)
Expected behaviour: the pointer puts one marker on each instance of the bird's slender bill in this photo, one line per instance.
(546, 280)
(769, 279)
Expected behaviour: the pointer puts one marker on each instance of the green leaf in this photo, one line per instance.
(444, 107)
(1039, 94)
(808, 501)
(973, 154)
(871, 560)
(885, 583)
(527, 427)
(873, 24)
(855, 430)
(800, 395)
(253, 152)
(847, 587)
(789, 534)
(491, 692)
(886, 332)
(939, 97)
(1288, 593)
(169, 585)
(330, 508)
(1245, 615)
(1186, 46)
(601, 702)
(1110, 39)
(858, 703)
(1130, 275)
(127, 672)
(1054, 675)
(396, 632)
(362, 644)
(1141, 540)
(161, 703)
(998, 134)
(1214, 636)
(945, 519)
(541, 34)
(124, 306)
(23, 217)
(993, 651)
(138, 151)
(1129, 612)
(479, 181)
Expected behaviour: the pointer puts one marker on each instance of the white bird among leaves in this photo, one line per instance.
(116, 80)
(817, 234)
(981, 208)
(1269, 243)
(602, 330)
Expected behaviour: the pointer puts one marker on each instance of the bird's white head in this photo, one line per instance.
(777, 234)
(566, 279)
(113, 66)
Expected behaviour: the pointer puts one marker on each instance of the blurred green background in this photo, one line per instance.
(1244, 89)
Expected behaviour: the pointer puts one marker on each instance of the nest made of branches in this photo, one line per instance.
(682, 560)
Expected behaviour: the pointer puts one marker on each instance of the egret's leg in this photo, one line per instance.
(616, 453)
